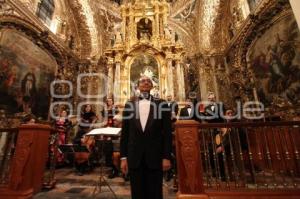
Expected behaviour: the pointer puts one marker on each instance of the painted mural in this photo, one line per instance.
(275, 59)
(145, 65)
(26, 72)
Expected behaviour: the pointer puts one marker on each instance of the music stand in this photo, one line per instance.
(72, 149)
(66, 148)
(80, 148)
(111, 132)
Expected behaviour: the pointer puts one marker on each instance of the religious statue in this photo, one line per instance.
(118, 38)
(145, 36)
(168, 34)
(144, 29)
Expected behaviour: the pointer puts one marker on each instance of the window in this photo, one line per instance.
(45, 11)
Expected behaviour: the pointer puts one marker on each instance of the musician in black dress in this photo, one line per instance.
(88, 116)
(83, 159)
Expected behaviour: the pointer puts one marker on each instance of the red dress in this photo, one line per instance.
(62, 127)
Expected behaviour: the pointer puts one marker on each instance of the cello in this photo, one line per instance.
(89, 142)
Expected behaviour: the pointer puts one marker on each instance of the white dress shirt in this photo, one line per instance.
(144, 109)
(213, 107)
(189, 111)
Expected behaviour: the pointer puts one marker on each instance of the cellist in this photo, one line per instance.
(82, 158)
(88, 117)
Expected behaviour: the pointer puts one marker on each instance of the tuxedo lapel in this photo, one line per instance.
(137, 117)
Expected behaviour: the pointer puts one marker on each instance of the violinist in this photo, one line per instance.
(62, 127)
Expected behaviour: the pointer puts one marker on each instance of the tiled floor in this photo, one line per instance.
(69, 185)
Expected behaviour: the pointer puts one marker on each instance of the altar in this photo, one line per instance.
(144, 44)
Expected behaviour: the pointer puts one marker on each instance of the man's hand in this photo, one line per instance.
(166, 164)
(124, 166)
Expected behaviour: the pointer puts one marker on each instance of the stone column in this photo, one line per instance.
(132, 30)
(156, 32)
(117, 85)
(110, 77)
(215, 81)
(170, 86)
(202, 82)
(180, 81)
(124, 25)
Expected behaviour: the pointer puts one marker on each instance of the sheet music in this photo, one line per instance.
(111, 131)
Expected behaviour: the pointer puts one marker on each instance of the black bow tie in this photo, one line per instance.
(145, 96)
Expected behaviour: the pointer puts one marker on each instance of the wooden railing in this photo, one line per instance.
(258, 160)
(7, 149)
(24, 161)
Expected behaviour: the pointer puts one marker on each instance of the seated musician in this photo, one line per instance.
(81, 159)
(62, 126)
(223, 148)
(88, 117)
(230, 142)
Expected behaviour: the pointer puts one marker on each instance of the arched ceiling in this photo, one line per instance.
(99, 17)
(201, 24)
(198, 23)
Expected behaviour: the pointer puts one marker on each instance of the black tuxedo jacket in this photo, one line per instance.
(173, 107)
(151, 145)
(216, 115)
(184, 114)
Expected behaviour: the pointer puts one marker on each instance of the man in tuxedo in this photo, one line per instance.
(173, 107)
(214, 111)
(146, 142)
(188, 111)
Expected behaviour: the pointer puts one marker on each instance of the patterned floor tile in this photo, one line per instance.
(71, 186)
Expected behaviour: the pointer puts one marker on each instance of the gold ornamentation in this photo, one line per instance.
(145, 30)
